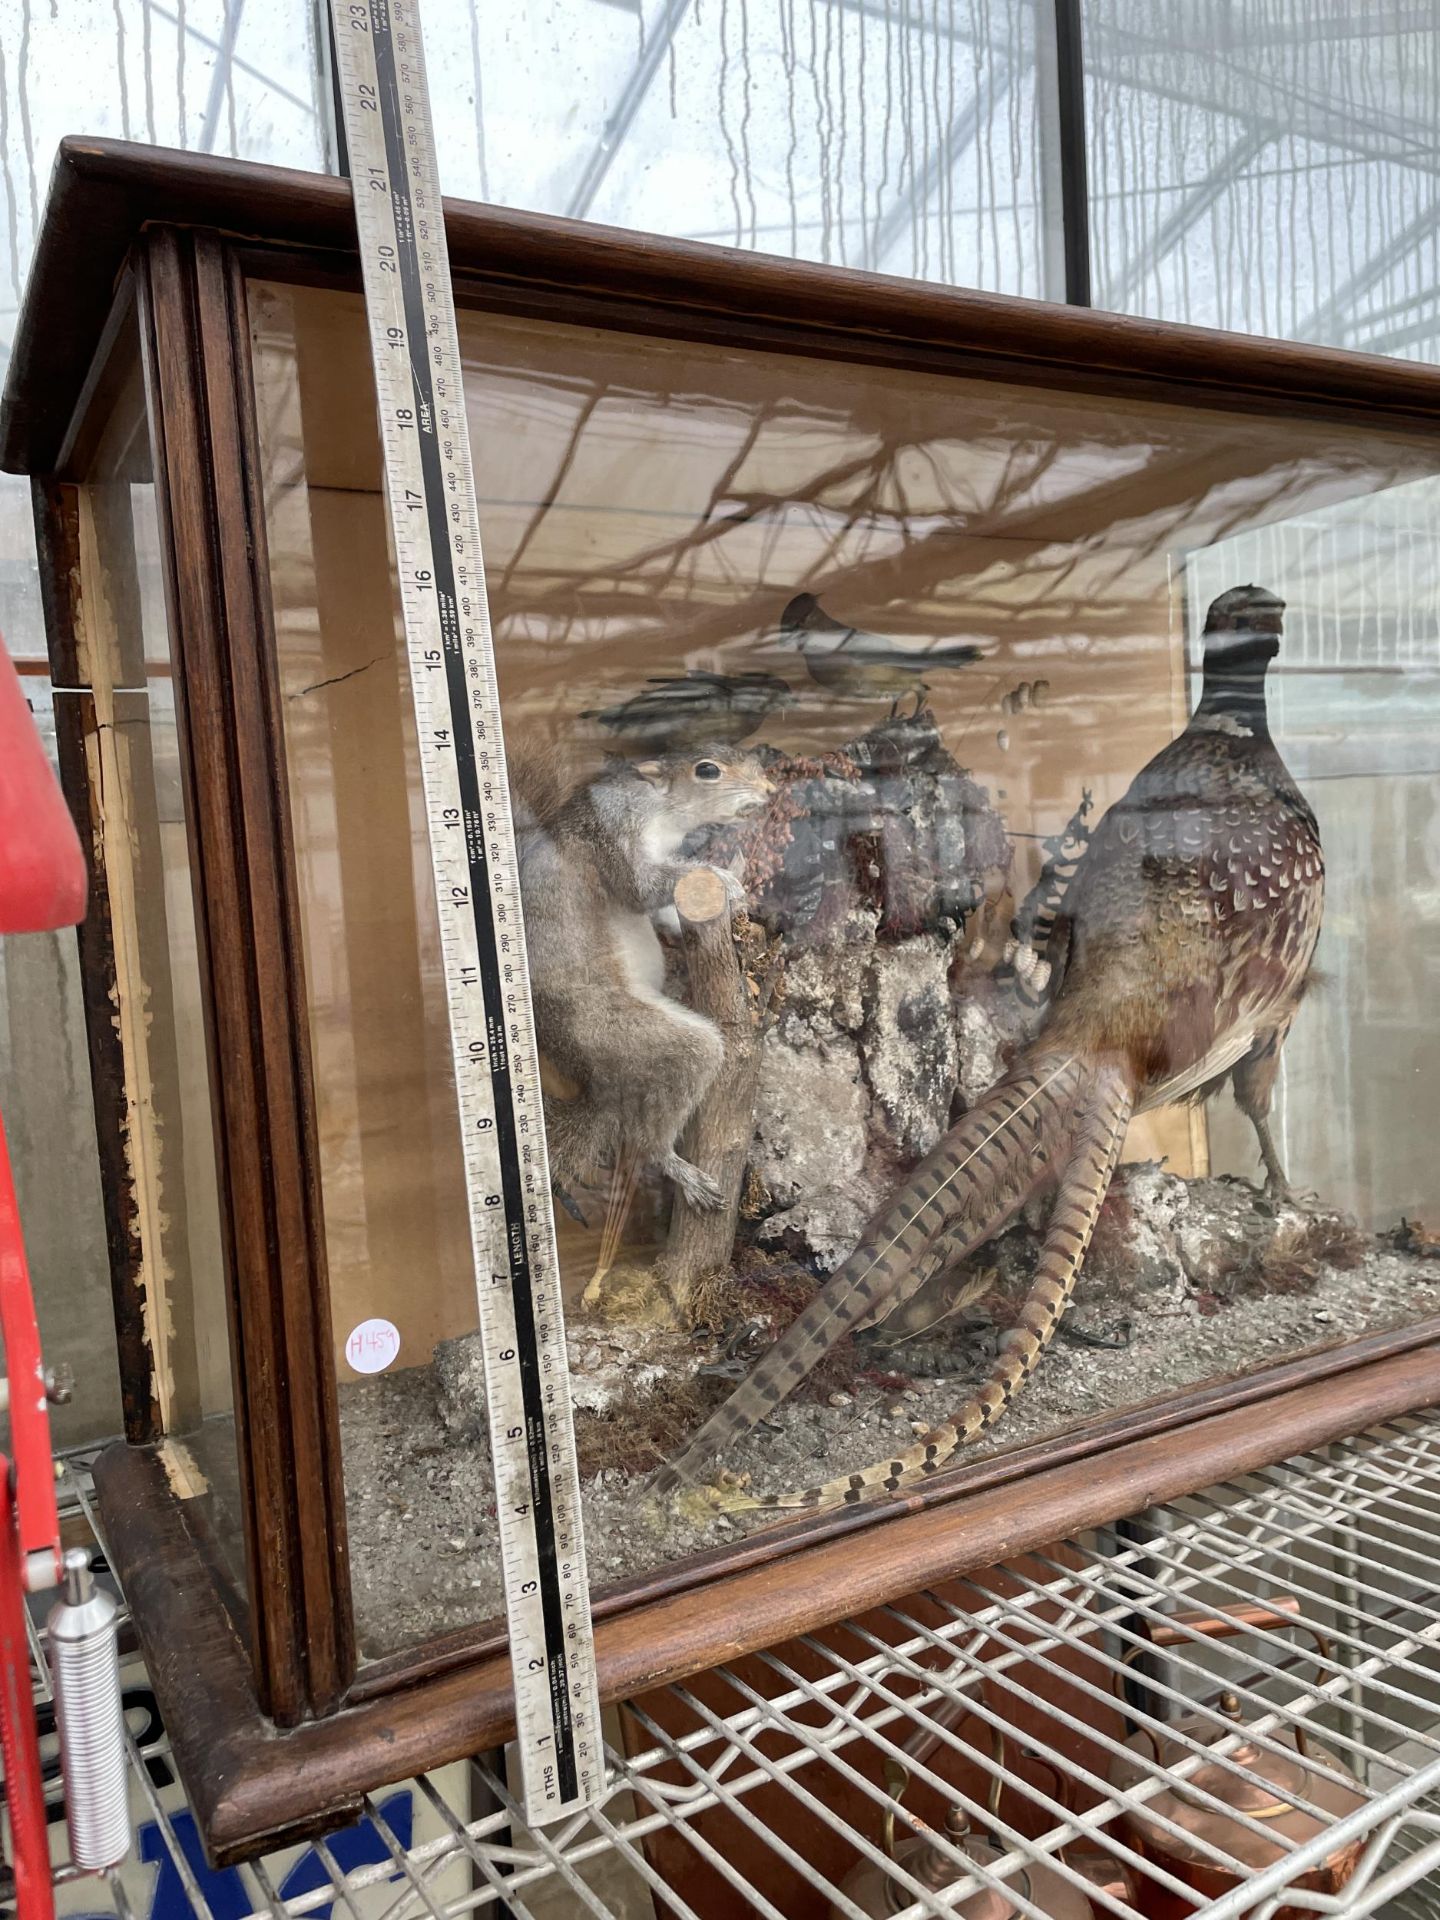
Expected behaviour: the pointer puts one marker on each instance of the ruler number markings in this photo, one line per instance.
(435, 527)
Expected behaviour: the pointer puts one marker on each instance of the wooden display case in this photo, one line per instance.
(190, 389)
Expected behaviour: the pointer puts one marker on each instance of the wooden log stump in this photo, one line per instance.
(718, 1137)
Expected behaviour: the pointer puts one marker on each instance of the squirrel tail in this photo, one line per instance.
(542, 779)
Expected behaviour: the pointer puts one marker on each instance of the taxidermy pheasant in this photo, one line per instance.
(1181, 953)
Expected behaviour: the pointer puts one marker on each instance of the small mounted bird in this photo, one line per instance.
(1182, 951)
(675, 711)
(862, 665)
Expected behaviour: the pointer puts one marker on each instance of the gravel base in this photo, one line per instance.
(423, 1542)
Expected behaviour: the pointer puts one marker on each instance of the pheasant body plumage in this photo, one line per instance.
(1181, 953)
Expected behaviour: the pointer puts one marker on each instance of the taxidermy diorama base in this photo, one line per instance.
(1188, 1280)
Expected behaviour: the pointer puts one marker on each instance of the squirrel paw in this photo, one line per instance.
(696, 1189)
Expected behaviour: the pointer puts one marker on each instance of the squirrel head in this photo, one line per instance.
(706, 785)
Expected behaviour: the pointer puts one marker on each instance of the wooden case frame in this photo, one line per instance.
(274, 1728)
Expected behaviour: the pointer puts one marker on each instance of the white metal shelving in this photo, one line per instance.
(1352, 1534)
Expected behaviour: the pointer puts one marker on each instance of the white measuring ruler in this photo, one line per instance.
(434, 521)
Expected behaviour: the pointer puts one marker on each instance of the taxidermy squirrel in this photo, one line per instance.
(599, 860)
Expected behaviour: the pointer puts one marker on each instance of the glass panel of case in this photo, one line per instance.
(137, 806)
(881, 648)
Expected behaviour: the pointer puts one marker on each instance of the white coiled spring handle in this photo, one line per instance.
(90, 1718)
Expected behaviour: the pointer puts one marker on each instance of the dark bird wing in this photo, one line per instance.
(728, 683)
(874, 653)
(697, 691)
(804, 617)
(661, 700)
(671, 709)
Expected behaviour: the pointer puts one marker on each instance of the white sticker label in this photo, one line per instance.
(372, 1346)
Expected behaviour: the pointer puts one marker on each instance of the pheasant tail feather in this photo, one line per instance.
(959, 1197)
(1099, 1133)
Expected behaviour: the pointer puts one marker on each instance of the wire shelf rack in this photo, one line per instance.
(1003, 1703)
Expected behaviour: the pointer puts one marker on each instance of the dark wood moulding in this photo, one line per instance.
(218, 601)
(253, 1788)
(103, 193)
